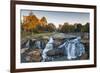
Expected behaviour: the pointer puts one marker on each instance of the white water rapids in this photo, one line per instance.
(73, 48)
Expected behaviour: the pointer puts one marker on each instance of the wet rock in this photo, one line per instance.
(55, 52)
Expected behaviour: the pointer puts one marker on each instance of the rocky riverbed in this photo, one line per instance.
(31, 53)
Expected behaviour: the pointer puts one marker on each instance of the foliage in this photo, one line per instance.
(78, 27)
(85, 28)
(33, 25)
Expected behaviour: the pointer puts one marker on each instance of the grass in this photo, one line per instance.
(35, 35)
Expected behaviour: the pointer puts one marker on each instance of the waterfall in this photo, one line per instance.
(38, 44)
(73, 48)
(49, 46)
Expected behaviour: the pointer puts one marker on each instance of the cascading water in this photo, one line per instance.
(38, 44)
(73, 48)
(49, 46)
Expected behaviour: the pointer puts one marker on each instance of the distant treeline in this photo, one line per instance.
(77, 27)
(65, 28)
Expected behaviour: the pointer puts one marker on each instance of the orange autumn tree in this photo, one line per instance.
(31, 22)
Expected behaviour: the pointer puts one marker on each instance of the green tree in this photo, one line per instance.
(85, 28)
(78, 27)
(50, 27)
(65, 28)
(71, 28)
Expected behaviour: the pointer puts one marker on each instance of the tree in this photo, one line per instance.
(65, 28)
(50, 27)
(78, 27)
(85, 28)
(71, 28)
(59, 28)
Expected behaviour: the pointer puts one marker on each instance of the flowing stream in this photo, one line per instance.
(73, 48)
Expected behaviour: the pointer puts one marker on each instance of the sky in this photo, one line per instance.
(59, 17)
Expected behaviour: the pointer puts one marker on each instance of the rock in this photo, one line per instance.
(35, 55)
(51, 53)
(59, 52)
(63, 36)
(84, 56)
(28, 58)
(23, 50)
(55, 52)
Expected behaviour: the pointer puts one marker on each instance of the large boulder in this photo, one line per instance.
(34, 56)
(55, 52)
